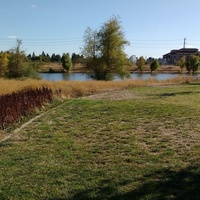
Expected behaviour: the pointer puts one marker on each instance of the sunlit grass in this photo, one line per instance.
(142, 148)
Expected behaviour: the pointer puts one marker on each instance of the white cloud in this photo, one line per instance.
(12, 37)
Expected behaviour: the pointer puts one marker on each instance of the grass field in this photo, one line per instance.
(144, 147)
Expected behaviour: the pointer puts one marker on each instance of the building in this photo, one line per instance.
(133, 59)
(175, 55)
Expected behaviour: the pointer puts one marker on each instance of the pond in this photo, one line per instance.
(83, 77)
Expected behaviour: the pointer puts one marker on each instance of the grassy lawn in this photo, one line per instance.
(147, 147)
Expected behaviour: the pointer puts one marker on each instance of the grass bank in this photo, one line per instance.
(145, 147)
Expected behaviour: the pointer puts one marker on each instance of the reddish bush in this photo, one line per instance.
(14, 106)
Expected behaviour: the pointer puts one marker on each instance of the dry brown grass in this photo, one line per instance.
(72, 89)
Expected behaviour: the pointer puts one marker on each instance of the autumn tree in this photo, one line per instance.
(141, 63)
(16, 61)
(19, 65)
(104, 51)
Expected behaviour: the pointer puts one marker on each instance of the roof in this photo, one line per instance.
(183, 50)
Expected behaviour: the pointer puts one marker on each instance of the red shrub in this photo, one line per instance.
(15, 105)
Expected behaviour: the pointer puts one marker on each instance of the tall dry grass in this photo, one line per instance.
(72, 89)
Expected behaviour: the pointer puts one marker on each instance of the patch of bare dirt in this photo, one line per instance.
(114, 95)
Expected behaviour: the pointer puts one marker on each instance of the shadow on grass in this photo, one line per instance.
(164, 184)
(176, 93)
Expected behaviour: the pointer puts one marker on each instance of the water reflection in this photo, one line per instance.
(84, 77)
(64, 76)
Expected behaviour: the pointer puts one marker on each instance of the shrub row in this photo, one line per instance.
(14, 106)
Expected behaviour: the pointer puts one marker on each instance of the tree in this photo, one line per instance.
(66, 61)
(3, 63)
(182, 63)
(192, 64)
(140, 63)
(90, 51)
(76, 58)
(19, 65)
(154, 65)
(90, 38)
(55, 58)
(44, 57)
(104, 51)
(16, 61)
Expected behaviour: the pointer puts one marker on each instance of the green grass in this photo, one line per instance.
(142, 148)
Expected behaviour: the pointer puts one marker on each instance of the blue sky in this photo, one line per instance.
(153, 27)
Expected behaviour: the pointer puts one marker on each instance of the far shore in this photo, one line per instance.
(79, 68)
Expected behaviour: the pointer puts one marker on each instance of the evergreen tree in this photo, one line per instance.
(140, 63)
(75, 58)
(154, 65)
(66, 61)
(53, 57)
(48, 59)
(57, 58)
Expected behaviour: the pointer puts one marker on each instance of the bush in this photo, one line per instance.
(154, 65)
(19, 66)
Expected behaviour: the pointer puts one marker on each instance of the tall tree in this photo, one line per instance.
(140, 63)
(90, 48)
(66, 61)
(90, 51)
(104, 51)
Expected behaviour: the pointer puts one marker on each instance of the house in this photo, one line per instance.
(175, 55)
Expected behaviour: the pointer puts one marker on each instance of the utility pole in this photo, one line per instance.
(184, 47)
(184, 43)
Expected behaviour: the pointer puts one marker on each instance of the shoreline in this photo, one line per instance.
(131, 71)
(79, 68)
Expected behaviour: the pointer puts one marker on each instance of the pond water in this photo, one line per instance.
(84, 77)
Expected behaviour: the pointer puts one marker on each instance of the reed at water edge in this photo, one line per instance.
(73, 89)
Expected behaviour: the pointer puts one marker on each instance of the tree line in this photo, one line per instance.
(15, 64)
(190, 63)
(45, 57)
(141, 62)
